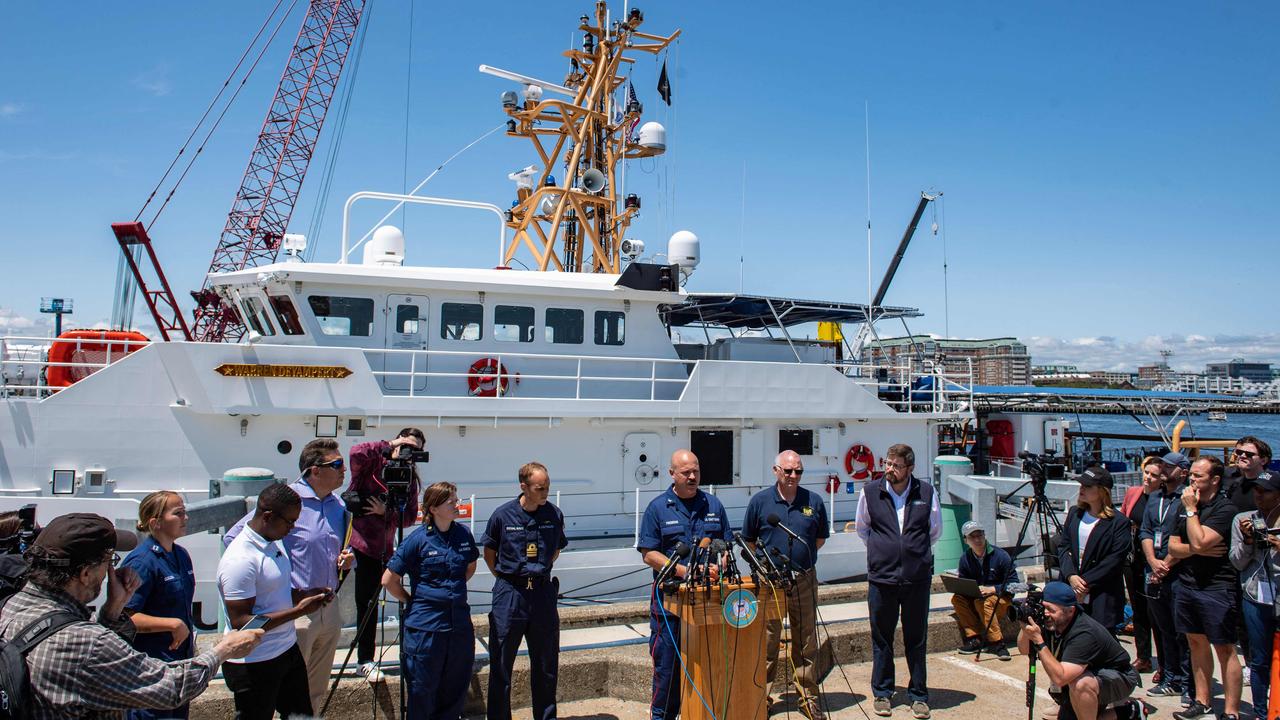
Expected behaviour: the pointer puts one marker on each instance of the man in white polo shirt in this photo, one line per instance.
(253, 579)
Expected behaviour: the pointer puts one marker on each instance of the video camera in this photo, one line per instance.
(1030, 607)
(397, 475)
(1260, 530)
(1042, 468)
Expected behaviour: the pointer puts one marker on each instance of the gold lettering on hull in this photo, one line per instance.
(303, 372)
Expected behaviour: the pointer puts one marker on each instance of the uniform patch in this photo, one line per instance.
(806, 511)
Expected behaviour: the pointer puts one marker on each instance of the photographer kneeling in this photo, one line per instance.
(1081, 657)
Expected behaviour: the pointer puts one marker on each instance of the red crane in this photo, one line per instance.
(269, 191)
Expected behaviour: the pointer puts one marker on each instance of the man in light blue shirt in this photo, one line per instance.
(316, 554)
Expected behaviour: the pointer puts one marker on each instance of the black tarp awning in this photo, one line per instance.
(756, 312)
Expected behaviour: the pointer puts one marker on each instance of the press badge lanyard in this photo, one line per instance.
(1161, 514)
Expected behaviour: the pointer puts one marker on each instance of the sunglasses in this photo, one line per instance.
(334, 464)
(1244, 454)
(791, 471)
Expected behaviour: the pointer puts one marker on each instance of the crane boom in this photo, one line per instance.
(269, 191)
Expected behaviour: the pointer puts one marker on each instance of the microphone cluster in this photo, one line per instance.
(711, 561)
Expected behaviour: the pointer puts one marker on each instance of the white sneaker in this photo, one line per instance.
(371, 673)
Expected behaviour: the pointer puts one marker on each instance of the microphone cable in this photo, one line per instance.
(680, 657)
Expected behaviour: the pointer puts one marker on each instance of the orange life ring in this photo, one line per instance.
(862, 455)
(488, 378)
(90, 347)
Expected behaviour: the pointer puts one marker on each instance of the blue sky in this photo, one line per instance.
(1106, 166)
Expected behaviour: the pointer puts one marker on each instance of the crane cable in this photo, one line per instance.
(207, 110)
(205, 140)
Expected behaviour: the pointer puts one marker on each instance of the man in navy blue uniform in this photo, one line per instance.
(682, 514)
(899, 520)
(521, 542)
(804, 513)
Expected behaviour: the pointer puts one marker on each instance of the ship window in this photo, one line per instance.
(610, 327)
(461, 321)
(407, 319)
(564, 326)
(513, 323)
(287, 314)
(714, 449)
(343, 315)
(256, 316)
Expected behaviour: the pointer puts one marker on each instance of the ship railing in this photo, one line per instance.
(24, 361)
(917, 387)
(540, 375)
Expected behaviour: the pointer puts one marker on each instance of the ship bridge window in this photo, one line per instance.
(461, 321)
(513, 323)
(610, 327)
(256, 316)
(343, 315)
(286, 314)
(564, 326)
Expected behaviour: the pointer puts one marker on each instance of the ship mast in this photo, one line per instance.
(578, 225)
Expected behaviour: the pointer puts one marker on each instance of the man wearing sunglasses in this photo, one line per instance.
(804, 513)
(1248, 461)
(316, 555)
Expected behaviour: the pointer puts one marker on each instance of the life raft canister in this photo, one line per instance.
(862, 456)
(94, 347)
(489, 378)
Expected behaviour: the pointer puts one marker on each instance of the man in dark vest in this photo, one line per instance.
(899, 521)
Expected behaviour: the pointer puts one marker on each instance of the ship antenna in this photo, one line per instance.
(742, 226)
(867, 126)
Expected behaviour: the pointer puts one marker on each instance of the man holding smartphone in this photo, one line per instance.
(316, 554)
(254, 579)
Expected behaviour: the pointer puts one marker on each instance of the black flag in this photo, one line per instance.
(664, 85)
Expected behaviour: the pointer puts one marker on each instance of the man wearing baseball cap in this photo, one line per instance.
(979, 617)
(88, 669)
(1081, 657)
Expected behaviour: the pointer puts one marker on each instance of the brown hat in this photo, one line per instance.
(81, 538)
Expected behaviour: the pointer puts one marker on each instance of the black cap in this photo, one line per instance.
(80, 538)
(1268, 480)
(1095, 476)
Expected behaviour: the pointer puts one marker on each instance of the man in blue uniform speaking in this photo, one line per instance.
(682, 514)
(803, 513)
(521, 542)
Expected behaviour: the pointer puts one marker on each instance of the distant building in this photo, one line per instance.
(1111, 378)
(996, 361)
(1237, 368)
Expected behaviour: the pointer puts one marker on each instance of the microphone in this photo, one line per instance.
(757, 570)
(718, 549)
(776, 521)
(678, 553)
(700, 557)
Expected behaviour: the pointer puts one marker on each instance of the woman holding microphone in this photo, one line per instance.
(438, 647)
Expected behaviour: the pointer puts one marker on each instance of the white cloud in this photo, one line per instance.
(36, 155)
(11, 109)
(1190, 352)
(155, 81)
(11, 323)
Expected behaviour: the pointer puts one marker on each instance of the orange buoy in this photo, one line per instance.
(92, 347)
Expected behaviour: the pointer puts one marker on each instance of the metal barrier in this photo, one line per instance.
(24, 358)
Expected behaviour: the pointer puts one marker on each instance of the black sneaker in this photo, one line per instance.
(1132, 710)
(970, 646)
(1194, 712)
(998, 650)
(1164, 690)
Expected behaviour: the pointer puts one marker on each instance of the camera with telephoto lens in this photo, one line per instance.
(1030, 607)
(17, 543)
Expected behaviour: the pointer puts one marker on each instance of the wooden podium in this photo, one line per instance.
(722, 643)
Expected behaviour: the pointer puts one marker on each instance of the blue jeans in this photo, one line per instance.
(1260, 625)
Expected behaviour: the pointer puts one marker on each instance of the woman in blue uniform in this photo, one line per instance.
(161, 607)
(438, 647)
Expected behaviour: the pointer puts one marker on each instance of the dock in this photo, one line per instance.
(605, 670)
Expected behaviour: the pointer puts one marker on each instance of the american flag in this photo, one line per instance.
(631, 98)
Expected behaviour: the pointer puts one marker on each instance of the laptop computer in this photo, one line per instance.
(964, 587)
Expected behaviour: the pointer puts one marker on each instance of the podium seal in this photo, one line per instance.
(741, 608)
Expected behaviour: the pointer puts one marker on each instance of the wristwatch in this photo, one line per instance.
(1191, 513)
(1038, 646)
